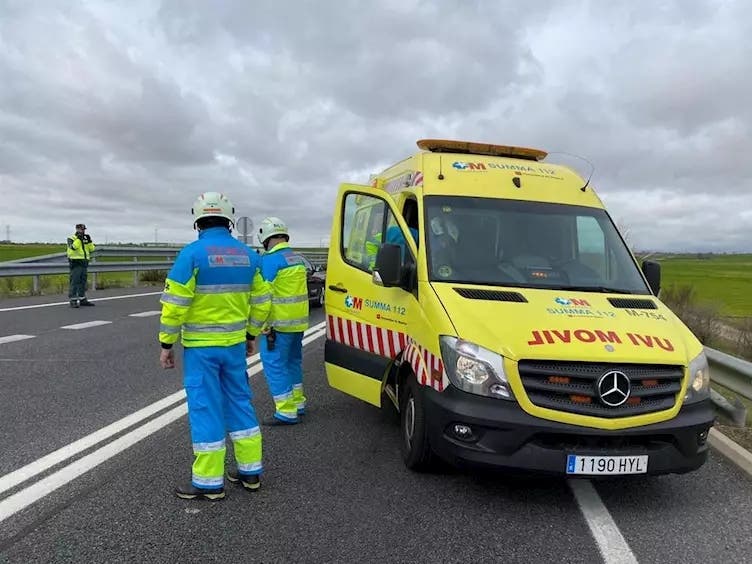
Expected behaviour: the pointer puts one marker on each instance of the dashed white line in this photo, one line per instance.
(608, 537)
(18, 501)
(36, 491)
(52, 304)
(146, 313)
(86, 325)
(14, 338)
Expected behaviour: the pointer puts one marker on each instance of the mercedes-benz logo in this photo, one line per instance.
(614, 388)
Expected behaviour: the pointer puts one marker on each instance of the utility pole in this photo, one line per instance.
(7, 233)
(155, 234)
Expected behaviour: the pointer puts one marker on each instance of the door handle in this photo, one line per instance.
(338, 289)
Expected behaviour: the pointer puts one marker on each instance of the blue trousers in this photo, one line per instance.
(219, 401)
(283, 368)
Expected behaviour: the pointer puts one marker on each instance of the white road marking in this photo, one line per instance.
(611, 543)
(52, 304)
(146, 313)
(27, 472)
(86, 325)
(18, 501)
(36, 491)
(38, 466)
(14, 338)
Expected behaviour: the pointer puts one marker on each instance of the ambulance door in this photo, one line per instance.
(367, 324)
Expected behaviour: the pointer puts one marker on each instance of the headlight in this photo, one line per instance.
(473, 369)
(699, 380)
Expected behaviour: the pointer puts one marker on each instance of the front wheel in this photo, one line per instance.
(416, 450)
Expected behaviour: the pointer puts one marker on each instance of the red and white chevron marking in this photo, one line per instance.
(428, 367)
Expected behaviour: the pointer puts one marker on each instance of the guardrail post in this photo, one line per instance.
(35, 285)
(135, 274)
(93, 276)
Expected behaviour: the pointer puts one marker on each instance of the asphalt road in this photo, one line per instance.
(334, 487)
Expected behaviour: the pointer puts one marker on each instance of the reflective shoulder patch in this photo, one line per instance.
(292, 259)
(229, 260)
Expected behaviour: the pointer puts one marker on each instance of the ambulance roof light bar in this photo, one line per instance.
(468, 147)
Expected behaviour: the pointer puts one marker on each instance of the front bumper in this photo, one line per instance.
(506, 437)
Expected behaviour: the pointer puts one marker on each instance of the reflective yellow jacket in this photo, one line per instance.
(214, 294)
(78, 250)
(286, 273)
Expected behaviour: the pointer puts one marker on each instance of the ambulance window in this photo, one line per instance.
(591, 245)
(362, 230)
(394, 234)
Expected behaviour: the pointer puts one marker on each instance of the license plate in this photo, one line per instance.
(606, 464)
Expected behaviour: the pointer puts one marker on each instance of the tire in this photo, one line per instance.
(415, 447)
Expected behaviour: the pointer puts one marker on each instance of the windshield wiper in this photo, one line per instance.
(603, 289)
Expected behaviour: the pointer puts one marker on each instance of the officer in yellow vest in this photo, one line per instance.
(79, 250)
(216, 299)
(281, 349)
(373, 242)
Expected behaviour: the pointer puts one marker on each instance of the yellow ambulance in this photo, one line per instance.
(488, 296)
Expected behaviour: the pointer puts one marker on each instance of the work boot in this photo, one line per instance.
(189, 491)
(74, 304)
(276, 422)
(250, 483)
(86, 302)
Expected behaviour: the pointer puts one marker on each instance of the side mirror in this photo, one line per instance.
(388, 270)
(652, 270)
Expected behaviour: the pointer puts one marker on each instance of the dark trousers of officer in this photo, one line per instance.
(77, 287)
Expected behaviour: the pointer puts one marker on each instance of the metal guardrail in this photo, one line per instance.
(736, 375)
(57, 263)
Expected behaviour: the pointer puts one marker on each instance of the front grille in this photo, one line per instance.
(572, 386)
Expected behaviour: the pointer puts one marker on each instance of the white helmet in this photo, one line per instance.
(213, 204)
(271, 227)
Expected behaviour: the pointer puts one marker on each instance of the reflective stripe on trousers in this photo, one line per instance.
(276, 364)
(219, 401)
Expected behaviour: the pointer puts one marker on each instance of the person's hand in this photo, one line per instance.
(167, 358)
(250, 348)
(87, 238)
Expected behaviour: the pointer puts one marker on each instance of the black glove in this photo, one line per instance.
(87, 238)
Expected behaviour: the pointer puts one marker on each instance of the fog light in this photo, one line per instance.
(463, 432)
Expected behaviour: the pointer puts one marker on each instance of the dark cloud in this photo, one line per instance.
(120, 115)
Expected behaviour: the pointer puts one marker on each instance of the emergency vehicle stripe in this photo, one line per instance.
(369, 332)
(396, 348)
(363, 333)
(382, 349)
(340, 332)
(353, 326)
(428, 367)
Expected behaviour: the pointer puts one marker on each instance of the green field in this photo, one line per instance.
(13, 252)
(725, 280)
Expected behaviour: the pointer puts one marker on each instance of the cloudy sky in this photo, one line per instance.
(119, 113)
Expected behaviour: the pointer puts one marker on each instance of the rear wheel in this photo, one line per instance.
(416, 450)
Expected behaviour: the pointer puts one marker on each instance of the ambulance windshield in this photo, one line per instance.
(527, 244)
